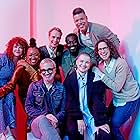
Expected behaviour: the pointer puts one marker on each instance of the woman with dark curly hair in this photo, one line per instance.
(116, 74)
(16, 49)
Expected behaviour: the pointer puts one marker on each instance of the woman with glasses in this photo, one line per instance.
(45, 103)
(116, 74)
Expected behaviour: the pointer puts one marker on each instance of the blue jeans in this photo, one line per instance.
(43, 130)
(120, 115)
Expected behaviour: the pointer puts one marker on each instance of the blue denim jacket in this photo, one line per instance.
(40, 101)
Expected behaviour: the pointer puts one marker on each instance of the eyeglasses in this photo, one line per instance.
(49, 70)
(104, 49)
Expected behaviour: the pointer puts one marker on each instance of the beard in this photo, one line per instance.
(75, 51)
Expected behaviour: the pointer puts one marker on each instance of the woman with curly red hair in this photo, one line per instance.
(16, 49)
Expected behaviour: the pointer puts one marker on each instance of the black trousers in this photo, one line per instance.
(102, 135)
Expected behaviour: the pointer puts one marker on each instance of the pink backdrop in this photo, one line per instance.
(33, 18)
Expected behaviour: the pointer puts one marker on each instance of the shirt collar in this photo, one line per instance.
(87, 33)
(51, 52)
(81, 76)
(110, 66)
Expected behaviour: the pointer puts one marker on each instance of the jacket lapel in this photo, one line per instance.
(90, 78)
(74, 83)
(93, 37)
(45, 51)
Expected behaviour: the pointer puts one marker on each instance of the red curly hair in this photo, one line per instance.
(18, 41)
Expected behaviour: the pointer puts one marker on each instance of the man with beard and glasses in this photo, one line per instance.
(45, 103)
(72, 51)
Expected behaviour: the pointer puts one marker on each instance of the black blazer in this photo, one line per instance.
(58, 60)
(95, 98)
(59, 51)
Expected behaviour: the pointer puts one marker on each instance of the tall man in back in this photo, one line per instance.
(89, 33)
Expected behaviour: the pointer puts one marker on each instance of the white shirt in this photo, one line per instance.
(48, 86)
(51, 52)
(86, 39)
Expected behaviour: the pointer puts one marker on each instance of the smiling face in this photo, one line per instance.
(83, 63)
(48, 70)
(104, 51)
(81, 22)
(72, 44)
(33, 56)
(54, 38)
(17, 50)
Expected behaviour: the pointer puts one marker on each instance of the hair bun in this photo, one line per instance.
(32, 42)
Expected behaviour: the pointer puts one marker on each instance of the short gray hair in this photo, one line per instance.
(47, 60)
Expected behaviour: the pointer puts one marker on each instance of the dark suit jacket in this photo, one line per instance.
(95, 99)
(58, 60)
(45, 54)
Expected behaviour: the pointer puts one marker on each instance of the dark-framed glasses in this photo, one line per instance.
(48, 71)
(104, 49)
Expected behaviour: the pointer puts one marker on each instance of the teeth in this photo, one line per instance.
(72, 48)
(33, 60)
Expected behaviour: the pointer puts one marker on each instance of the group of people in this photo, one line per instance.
(62, 87)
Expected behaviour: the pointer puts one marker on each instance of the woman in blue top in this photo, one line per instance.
(16, 49)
